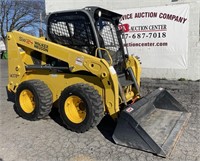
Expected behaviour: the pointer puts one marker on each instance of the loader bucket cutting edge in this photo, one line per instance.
(153, 124)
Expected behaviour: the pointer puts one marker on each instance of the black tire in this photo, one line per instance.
(91, 104)
(41, 100)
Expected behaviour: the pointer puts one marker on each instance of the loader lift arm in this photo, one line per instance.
(77, 61)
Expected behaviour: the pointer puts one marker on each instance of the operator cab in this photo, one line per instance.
(87, 30)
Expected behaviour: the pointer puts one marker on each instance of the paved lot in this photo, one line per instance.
(47, 140)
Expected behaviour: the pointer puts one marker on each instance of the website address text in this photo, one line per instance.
(149, 44)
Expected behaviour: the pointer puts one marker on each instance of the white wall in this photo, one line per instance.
(193, 70)
(59, 5)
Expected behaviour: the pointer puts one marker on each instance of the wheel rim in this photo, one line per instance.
(75, 109)
(26, 100)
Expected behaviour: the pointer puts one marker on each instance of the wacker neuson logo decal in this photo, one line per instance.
(41, 46)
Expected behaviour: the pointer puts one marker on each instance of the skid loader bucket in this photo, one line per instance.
(153, 124)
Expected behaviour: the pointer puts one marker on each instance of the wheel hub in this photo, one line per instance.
(26, 100)
(75, 109)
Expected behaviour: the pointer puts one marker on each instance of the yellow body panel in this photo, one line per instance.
(102, 76)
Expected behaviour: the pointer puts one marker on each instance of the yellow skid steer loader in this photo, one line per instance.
(81, 66)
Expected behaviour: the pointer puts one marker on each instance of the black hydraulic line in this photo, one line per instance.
(130, 71)
(45, 67)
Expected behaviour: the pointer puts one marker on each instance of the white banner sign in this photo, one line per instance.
(158, 35)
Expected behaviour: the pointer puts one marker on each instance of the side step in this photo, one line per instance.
(153, 124)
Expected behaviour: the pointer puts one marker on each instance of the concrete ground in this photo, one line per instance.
(48, 140)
